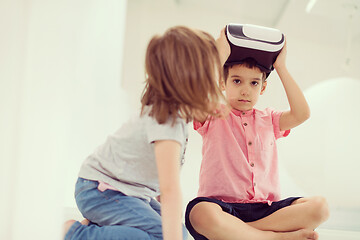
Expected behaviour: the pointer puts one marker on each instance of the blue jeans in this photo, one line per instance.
(115, 216)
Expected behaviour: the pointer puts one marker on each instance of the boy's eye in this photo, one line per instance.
(236, 81)
(254, 83)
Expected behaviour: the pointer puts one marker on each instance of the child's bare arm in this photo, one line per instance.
(299, 108)
(167, 153)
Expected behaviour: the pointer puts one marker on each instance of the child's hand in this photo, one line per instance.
(281, 58)
(223, 47)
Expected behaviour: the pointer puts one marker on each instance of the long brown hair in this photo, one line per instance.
(182, 69)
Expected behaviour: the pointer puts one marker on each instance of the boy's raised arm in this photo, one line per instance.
(223, 47)
(224, 51)
(299, 108)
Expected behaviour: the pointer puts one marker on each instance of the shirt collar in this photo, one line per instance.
(243, 113)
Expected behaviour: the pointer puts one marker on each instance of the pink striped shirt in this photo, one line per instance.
(240, 157)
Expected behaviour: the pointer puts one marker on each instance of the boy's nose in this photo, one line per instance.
(244, 91)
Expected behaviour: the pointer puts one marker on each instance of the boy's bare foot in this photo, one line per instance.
(303, 234)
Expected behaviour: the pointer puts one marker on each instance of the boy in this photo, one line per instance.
(239, 196)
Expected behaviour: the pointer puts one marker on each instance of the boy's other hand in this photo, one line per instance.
(223, 46)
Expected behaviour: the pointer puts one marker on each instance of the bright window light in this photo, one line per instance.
(310, 5)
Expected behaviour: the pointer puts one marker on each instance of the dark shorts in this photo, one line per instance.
(247, 212)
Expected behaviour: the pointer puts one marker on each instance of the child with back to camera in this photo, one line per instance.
(119, 182)
(239, 193)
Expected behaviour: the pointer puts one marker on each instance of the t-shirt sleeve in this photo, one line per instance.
(275, 115)
(166, 131)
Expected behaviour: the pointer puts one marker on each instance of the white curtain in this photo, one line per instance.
(60, 95)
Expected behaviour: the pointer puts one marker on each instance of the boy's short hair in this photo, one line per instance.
(248, 62)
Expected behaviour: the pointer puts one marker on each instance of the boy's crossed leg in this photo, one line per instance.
(294, 222)
(303, 213)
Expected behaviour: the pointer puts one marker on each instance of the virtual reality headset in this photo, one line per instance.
(263, 44)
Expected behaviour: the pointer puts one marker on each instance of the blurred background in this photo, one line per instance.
(72, 71)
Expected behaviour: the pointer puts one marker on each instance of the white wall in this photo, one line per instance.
(60, 96)
(11, 59)
(321, 155)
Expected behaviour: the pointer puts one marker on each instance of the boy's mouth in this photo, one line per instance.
(244, 100)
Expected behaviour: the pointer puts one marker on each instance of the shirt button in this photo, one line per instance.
(250, 143)
(243, 113)
(254, 184)
(252, 164)
(245, 124)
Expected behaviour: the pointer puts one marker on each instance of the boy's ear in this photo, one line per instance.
(263, 87)
(222, 85)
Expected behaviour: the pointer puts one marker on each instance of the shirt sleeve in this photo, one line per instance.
(275, 115)
(166, 131)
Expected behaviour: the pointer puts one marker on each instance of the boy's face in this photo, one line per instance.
(243, 87)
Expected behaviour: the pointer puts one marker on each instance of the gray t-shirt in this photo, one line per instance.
(126, 160)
